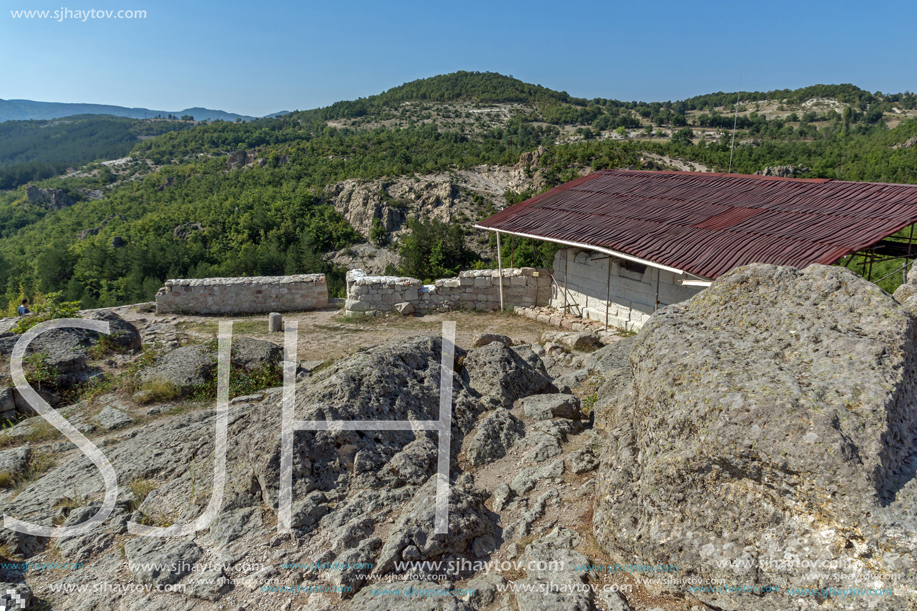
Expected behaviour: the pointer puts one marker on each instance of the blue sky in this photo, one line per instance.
(255, 58)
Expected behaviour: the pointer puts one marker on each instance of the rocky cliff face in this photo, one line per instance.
(53, 199)
(769, 426)
(457, 197)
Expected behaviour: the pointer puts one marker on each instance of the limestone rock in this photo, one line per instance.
(484, 589)
(569, 381)
(529, 477)
(251, 354)
(562, 584)
(482, 339)
(496, 434)
(530, 356)
(408, 596)
(501, 497)
(499, 372)
(67, 349)
(467, 521)
(783, 171)
(274, 322)
(405, 308)
(581, 340)
(307, 512)
(111, 418)
(237, 159)
(54, 199)
(208, 585)
(7, 404)
(771, 416)
(583, 460)
(184, 369)
(15, 462)
(161, 561)
(554, 405)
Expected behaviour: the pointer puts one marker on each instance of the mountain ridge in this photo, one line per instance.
(23, 110)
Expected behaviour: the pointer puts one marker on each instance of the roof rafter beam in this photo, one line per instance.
(607, 251)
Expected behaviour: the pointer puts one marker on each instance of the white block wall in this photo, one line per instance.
(632, 294)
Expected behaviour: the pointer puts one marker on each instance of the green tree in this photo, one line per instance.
(683, 136)
(434, 249)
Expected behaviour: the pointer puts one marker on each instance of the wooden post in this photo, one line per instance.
(656, 305)
(566, 257)
(500, 268)
(608, 292)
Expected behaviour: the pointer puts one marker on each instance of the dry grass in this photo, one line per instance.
(40, 431)
(158, 391)
(141, 489)
(245, 326)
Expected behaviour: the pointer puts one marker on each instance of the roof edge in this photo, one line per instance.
(585, 246)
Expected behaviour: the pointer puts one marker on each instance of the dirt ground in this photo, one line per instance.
(327, 335)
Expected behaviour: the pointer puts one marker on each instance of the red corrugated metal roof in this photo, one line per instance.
(709, 223)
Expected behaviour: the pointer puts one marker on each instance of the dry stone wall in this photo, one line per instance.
(582, 279)
(254, 295)
(471, 290)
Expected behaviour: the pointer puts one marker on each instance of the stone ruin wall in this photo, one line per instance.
(254, 295)
(471, 290)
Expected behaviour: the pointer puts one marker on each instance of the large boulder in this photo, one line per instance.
(184, 370)
(499, 372)
(68, 349)
(13, 464)
(189, 368)
(496, 434)
(251, 354)
(770, 427)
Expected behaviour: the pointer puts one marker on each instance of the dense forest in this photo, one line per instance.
(177, 209)
(35, 150)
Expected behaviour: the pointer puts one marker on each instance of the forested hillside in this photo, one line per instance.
(35, 150)
(226, 199)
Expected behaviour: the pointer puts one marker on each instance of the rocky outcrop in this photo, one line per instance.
(372, 259)
(906, 294)
(53, 199)
(67, 350)
(500, 374)
(95, 230)
(770, 427)
(190, 368)
(495, 435)
(186, 230)
(237, 159)
(783, 171)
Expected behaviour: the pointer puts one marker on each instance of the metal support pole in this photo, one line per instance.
(608, 292)
(500, 268)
